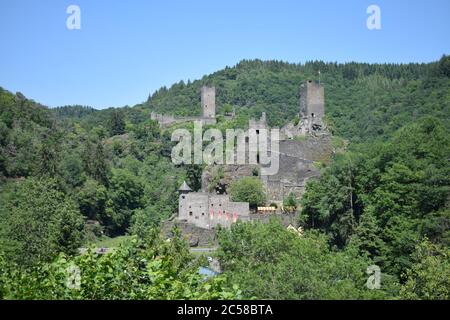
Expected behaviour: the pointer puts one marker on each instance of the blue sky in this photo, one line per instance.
(127, 49)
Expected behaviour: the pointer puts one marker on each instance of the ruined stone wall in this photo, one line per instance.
(291, 177)
(290, 131)
(208, 104)
(162, 119)
(167, 120)
(311, 148)
(194, 235)
(285, 218)
(232, 172)
(207, 237)
(296, 166)
(206, 121)
(257, 124)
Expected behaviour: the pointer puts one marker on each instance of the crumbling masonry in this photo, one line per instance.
(208, 105)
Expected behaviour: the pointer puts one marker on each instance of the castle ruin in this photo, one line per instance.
(208, 106)
(302, 144)
(301, 147)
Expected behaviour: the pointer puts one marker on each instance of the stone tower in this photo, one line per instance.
(182, 201)
(312, 105)
(208, 100)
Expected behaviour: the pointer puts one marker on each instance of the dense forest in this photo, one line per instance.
(72, 175)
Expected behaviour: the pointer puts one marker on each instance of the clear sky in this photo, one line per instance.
(127, 49)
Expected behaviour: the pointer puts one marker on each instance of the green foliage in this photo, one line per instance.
(331, 204)
(290, 200)
(24, 127)
(248, 189)
(125, 195)
(72, 171)
(95, 161)
(386, 196)
(48, 153)
(91, 199)
(107, 242)
(338, 143)
(75, 111)
(270, 262)
(138, 271)
(367, 238)
(161, 181)
(194, 176)
(37, 222)
(227, 109)
(436, 227)
(117, 122)
(444, 66)
(429, 276)
(142, 221)
(218, 174)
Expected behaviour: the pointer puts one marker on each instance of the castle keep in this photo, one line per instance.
(208, 101)
(312, 106)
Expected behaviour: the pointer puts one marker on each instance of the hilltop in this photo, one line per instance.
(364, 101)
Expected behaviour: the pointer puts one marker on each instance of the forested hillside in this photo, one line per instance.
(363, 101)
(72, 175)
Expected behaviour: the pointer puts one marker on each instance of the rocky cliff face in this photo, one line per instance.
(195, 236)
(298, 163)
(204, 238)
(218, 178)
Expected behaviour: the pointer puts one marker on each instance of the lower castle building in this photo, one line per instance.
(207, 210)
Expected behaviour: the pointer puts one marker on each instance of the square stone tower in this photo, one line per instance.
(312, 104)
(208, 100)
